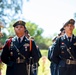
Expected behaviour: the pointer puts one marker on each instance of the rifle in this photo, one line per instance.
(32, 66)
(29, 65)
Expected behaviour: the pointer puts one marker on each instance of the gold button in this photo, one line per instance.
(69, 47)
(11, 53)
(18, 60)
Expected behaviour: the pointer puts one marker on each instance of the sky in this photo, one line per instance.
(50, 15)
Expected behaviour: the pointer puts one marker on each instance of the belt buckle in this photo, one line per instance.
(74, 61)
(20, 60)
(68, 61)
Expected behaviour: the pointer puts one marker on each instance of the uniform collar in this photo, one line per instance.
(20, 38)
(66, 36)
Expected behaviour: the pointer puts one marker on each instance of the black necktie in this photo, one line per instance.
(69, 38)
(19, 40)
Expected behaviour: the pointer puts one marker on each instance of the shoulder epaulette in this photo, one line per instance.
(9, 42)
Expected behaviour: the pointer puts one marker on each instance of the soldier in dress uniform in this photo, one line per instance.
(52, 65)
(62, 31)
(17, 51)
(64, 51)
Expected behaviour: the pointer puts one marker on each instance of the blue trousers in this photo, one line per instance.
(53, 68)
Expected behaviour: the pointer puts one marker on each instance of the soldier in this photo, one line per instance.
(53, 65)
(17, 51)
(27, 34)
(64, 51)
(62, 31)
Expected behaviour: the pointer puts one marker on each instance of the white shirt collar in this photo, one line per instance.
(20, 38)
(70, 36)
(67, 35)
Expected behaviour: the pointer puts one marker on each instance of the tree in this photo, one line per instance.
(9, 9)
(3, 38)
(36, 32)
(74, 31)
(10, 29)
(33, 29)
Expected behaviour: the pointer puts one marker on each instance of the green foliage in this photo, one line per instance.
(74, 31)
(3, 38)
(10, 28)
(44, 43)
(36, 32)
(7, 6)
(44, 52)
(33, 29)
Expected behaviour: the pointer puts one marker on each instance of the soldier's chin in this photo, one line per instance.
(19, 34)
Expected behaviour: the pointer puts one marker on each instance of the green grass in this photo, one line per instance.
(44, 52)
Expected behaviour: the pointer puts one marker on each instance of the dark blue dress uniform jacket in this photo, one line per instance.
(17, 56)
(53, 66)
(60, 55)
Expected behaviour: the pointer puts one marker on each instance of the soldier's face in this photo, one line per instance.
(19, 30)
(69, 28)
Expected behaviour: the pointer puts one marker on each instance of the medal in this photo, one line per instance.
(11, 53)
(11, 43)
(25, 48)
